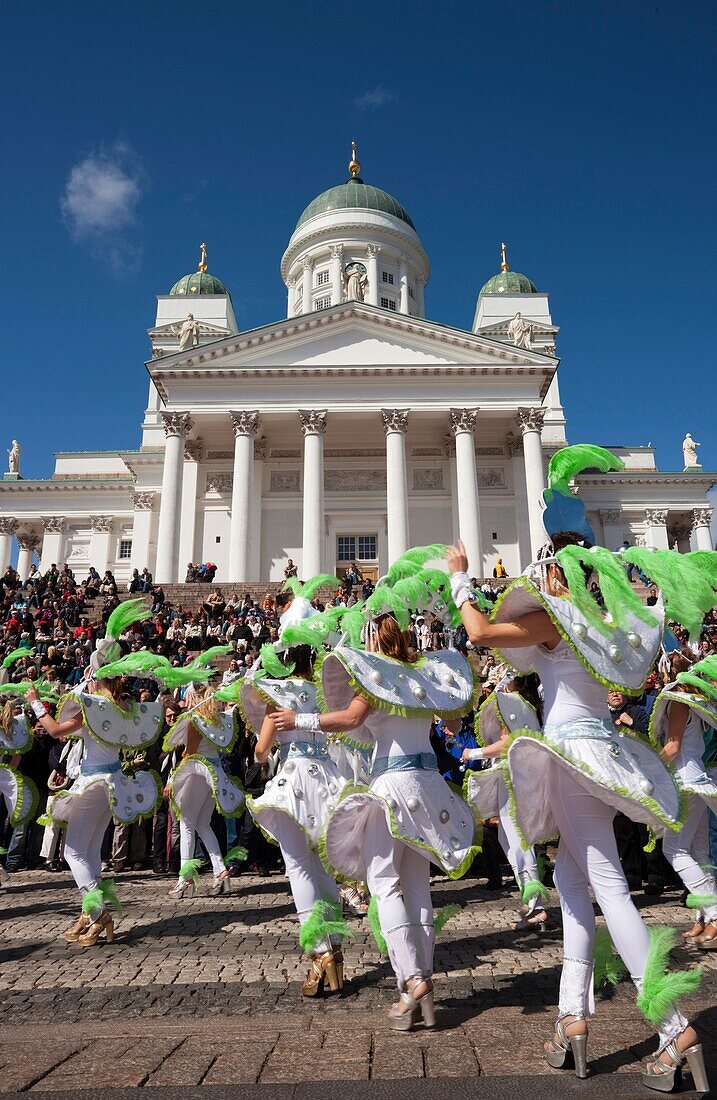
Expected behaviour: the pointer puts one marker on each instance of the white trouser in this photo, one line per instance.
(85, 831)
(197, 810)
(308, 879)
(689, 852)
(400, 880)
(587, 856)
(50, 848)
(522, 860)
(8, 790)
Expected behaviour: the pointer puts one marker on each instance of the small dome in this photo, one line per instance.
(509, 282)
(199, 282)
(355, 195)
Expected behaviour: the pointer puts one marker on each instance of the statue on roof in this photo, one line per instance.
(689, 452)
(189, 333)
(14, 458)
(520, 332)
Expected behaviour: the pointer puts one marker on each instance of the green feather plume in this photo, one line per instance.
(570, 461)
(15, 655)
(271, 664)
(651, 841)
(173, 676)
(230, 693)
(324, 922)
(608, 967)
(701, 901)
(212, 654)
(126, 613)
(352, 624)
(315, 630)
(374, 924)
(413, 591)
(237, 854)
(685, 583)
(412, 561)
(292, 584)
(93, 901)
(110, 895)
(385, 601)
(441, 918)
(190, 870)
(312, 586)
(704, 686)
(707, 667)
(659, 989)
(533, 889)
(21, 689)
(618, 595)
(141, 664)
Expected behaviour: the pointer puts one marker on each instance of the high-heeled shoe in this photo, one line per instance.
(183, 889)
(567, 1049)
(663, 1078)
(80, 926)
(708, 940)
(401, 1015)
(537, 921)
(221, 885)
(102, 924)
(694, 932)
(327, 968)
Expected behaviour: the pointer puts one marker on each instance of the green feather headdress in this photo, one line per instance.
(702, 676)
(313, 631)
(413, 561)
(568, 462)
(620, 600)
(125, 614)
(15, 655)
(43, 689)
(308, 590)
(272, 665)
(154, 666)
(687, 582)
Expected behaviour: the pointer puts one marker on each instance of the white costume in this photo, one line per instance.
(487, 793)
(19, 792)
(688, 850)
(102, 791)
(387, 833)
(199, 783)
(571, 779)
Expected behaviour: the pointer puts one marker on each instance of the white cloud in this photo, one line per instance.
(376, 97)
(99, 204)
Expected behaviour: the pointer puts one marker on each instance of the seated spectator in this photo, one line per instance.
(135, 584)
(192, 573)
(108, 587)
(499, 570)
(291, 570)
(215, 602)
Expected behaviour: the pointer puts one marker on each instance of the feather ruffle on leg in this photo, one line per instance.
(701, 901)
(324, 923)
(110, 896)
(608, 967)
(190, 870)
(236, 855)
(441, 918)
(93, 901)
(533, 889)
(660, 989)
(374, 923)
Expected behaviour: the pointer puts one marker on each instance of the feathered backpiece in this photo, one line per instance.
(413, 561)
(271, 663)
(125, 614)
(154, 666)
(230, 693)
(702, 676)
(562, 510)
(15, 655)
(313, 631)
(620, 600)
(687, 582)
(43, 689)
(308, 589)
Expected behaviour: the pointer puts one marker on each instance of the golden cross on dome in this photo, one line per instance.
(202, 257)
(354, 166)
(504, 257)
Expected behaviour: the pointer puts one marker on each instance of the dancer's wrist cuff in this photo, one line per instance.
(460, 588)
(38, 709)
(308, 722)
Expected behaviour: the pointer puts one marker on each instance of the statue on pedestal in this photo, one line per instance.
(14, 458)
(189, 332)
(355, 280)
(520, 332)
(689, 452)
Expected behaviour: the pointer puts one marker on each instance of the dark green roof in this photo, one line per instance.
(199, 282)
(509, 282)
(355, 195)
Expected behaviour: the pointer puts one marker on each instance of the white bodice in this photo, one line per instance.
(95, 754)
(395, 735)
(570, 692)
(688, 763)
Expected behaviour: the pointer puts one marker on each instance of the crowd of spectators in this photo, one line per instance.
(58, 619)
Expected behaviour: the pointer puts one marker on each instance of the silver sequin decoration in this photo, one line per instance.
(376, 677)
(634, 640)
(143, 708)
(444, 816)
(581, 631)
(298, 793)
(106, 725)
(418, 691)
(455, 843)
(615, 654)
(412, 803)
(646, 786)
(614, 749)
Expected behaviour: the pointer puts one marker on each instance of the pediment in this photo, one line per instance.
(352, 336)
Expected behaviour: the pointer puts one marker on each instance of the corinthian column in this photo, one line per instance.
(176, 427)
(28, 544)
(313, 425)
(656, 524)
(373, 252)
(8, 527)
(336, 251)
(246, 425)
(463, 423)
(701, 525)
(531, 425)
(395, 424)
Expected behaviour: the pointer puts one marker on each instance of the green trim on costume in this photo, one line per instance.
(212, 769)
(443, 915)
(523, 582)
(651, 841)
(660, 990)
(326, 920)
(132, 712)
(23, 784)
(166, 747)
(533, 889)
(49, 817)
(693, 702)
(399, 709)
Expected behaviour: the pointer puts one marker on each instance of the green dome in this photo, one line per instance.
(509, 282)
(355, 195)
(199, 282)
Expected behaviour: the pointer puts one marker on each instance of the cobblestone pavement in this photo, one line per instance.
(206, 992)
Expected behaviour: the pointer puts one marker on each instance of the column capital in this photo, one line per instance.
(336, 251)
(307, 263)
(373, 250)
(531, 420)
(245, 422)
(611, 516)
(177, 423)
(463, 420)
(28, 541)
(53, 525)
(8, 525)
(403, 260)
(101, 525)
(313, 421)
(395, 420)
(193, 449)
(656, 517)
(701, 517)
(143, 500)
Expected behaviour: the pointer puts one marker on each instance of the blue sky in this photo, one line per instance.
(582, 134)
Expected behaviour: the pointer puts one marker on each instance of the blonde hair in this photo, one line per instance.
(209, 710)
(8, 713)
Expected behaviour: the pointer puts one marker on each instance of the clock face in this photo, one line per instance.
(355, 266)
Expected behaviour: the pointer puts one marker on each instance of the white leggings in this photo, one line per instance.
(197, 809)
(400, 879)
(689, 852)
(308, 879)
(85, 831)
(587, 856)
(522, 860)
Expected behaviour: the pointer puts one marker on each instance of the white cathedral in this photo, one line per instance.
(348, 431)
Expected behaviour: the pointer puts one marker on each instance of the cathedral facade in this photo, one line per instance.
(347, 431)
